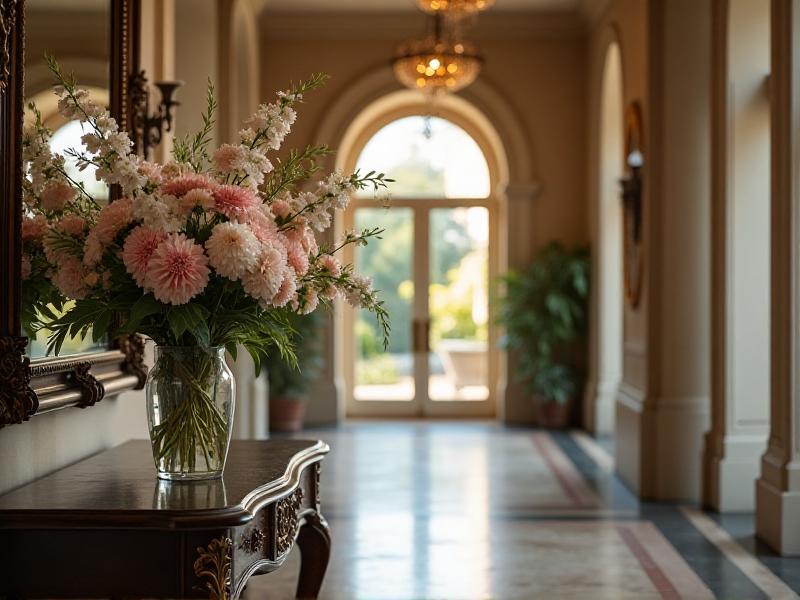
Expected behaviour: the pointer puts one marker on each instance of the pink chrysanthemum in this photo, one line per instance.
(331, 292)
(228, 158)
(56, 194)
(113, 218)
(331, 264)
(34, 229)
(178, 270)
(234, 202)
(138, 250)
(281, 209)
(287, 290)
(264, 280)
(262, 225)
(185, 183)
(197, 197)
(68, 278)
(72, 225)
(232, 249)
(296, 256)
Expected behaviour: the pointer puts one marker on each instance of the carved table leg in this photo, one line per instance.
(314, 540)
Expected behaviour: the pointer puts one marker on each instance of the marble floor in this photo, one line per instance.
(473, 510)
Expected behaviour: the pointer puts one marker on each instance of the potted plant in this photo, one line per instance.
(288, 382)
(543, 311)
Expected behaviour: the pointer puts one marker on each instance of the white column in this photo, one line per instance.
(778, 488)
(740, 255)
(663, 405)
(251, 415)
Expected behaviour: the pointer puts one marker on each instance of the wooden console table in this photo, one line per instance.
(107, 528)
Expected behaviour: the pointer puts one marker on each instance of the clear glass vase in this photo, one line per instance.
(190, 398)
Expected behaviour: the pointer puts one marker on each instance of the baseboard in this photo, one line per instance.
(777, 518)
(732, 466)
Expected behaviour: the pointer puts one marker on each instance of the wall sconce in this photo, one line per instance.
(632, 205)
(148, 129)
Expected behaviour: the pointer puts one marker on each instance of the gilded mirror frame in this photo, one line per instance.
(29, 387)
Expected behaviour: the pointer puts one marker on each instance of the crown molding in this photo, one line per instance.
(398, 26)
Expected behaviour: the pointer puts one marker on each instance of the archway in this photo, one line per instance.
(375, 100)
(607, 289)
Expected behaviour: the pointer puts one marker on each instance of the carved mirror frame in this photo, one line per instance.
(29, 387)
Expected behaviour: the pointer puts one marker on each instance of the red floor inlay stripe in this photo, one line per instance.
(654, 572)
(567, 482)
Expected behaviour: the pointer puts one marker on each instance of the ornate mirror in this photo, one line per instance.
(632, 204)
(97, 41)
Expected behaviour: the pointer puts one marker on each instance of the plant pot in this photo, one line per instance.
(286, 414)
(190, 393)
(553, 415)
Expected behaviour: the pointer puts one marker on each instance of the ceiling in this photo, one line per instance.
(394, 6)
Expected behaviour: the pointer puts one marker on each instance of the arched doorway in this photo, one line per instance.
(434, 266)
(608, 251)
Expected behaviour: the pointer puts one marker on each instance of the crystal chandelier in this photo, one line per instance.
(437, 63)
(455, 6)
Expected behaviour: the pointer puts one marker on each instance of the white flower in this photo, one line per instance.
(157, 213)
(232, 249)
(265, 279)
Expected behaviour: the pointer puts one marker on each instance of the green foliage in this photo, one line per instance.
(544, 314)
(288, 379)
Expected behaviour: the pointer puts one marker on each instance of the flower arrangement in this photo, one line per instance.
(212, 249)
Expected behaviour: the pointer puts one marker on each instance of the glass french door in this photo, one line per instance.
(433, 268)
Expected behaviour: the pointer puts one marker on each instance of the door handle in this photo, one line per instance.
(421, 335)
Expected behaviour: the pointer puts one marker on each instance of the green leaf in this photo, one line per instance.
(101, 325)
(144, 307)
(188, 317)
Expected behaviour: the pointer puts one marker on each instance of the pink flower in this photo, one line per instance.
(34, 229)
(309, 301)
(56, 194)
(185, 183)
(281, 209)
(262, 226)
(331, 292)
(330, 264)
(112, 219)
(72, 225)
(296, 256)
(309, 242)
(228, 158)
(265, 279)
(197, 197)
(234, 202)
(68, 278)
(178, 270)
(150, 170)
(93, 249)
(287, 290)
(91, 279)
(138, 249)
(26, 266)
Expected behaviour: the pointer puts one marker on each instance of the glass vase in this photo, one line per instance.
(190, 399)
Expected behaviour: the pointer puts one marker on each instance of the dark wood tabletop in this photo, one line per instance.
(134, 535)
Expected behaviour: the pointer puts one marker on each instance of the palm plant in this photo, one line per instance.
(543, 311)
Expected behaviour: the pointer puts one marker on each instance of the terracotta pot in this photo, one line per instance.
(552, 415)
(286, 414)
